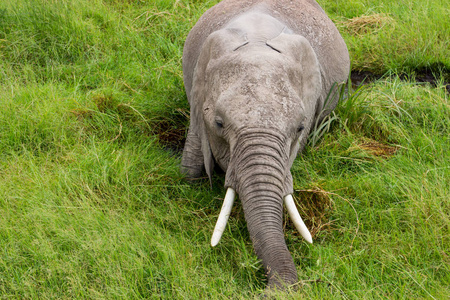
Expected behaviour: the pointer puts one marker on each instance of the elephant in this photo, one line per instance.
(258, 75)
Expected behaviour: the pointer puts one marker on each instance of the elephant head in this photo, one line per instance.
(253, 103)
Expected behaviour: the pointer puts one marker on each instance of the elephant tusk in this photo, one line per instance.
(223, 216)
(295, 216)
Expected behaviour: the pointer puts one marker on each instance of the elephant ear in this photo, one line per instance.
(299, 49)
(218, 44)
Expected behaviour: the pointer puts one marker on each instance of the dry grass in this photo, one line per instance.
(366, 24)
(378, 149)
(315, 207)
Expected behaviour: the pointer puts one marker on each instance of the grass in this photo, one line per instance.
(413, 35)
(92, 203)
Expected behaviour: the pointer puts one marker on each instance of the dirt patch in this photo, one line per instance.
(170, 136)
(359, 78)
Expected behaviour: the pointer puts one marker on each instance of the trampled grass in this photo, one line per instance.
(92, 203)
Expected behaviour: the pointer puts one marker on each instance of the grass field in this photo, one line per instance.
(92, 119)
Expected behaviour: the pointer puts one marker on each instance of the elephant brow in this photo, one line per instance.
(272, 48)
(240, 46)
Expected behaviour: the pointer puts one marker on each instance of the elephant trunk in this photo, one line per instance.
(258, 170)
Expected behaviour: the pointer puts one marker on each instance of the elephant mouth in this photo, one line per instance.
(227, 205)
(259, 159)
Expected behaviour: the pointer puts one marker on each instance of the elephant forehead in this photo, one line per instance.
(263, 72)
(251, 56)
(255, 106)
(256, 88)
(260, 104)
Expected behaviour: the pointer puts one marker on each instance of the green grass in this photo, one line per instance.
(92, 203)
(402, 36)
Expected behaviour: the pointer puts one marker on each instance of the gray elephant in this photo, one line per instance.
(257, 75)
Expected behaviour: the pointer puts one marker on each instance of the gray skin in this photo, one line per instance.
(257, 75)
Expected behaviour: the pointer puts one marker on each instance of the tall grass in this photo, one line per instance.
(92, 204)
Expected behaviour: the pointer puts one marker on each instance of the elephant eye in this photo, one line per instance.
(300, 128)
(219, 122)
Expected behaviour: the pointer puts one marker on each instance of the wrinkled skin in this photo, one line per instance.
(257, 74)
